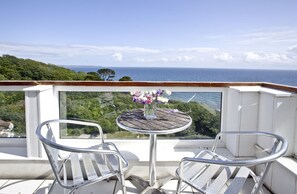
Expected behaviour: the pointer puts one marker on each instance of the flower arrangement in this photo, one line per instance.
(149, 97)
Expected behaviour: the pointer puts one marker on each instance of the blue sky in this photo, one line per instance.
(163, 33)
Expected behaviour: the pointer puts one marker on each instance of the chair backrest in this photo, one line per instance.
(58, 153)
(210, 172)
(278, 146)
(52, 153)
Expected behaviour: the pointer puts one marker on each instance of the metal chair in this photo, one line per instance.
(84, 166)
(209, 172)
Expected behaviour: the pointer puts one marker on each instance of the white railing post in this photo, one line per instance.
(242, 115)
(295, 150)
(41, 104)
(277, 114)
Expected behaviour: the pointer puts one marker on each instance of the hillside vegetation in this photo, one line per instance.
(13, 68)
(101, 107)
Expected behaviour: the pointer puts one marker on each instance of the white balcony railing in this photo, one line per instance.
(244, 106)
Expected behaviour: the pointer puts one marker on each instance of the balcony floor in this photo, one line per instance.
(13, 186)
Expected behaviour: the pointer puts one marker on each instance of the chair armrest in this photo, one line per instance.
(103, 151)
(278, 152)
(206, 166)
(66, 121)
(220, 160)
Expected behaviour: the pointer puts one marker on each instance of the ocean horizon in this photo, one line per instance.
(286, 77)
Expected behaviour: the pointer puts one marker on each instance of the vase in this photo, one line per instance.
(150, 111)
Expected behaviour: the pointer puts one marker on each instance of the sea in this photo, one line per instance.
(286, 77)
(211, 100)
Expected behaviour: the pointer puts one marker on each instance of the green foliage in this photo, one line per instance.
(106, 74)
(93, 76)
(2, 77)
(100, 107)
(104, 107)
(126, 78)
(12, 108)
(204, 122)
(13, 68)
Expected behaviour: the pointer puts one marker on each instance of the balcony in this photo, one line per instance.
(240, 106)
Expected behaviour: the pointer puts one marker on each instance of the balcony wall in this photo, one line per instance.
(245, 106)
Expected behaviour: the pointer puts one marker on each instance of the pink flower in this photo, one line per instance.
(148, 97)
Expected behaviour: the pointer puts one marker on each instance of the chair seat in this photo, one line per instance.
(211, 178)
(209, 172)
(94, 166)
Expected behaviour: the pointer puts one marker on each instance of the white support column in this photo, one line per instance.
(242, 115)
(262, 109)
(232, 119)
(277, 114)
(41, 104)
(295, 136)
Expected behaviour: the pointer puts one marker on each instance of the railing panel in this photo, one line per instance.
(104, 107)
(51, 108)
(12, 114)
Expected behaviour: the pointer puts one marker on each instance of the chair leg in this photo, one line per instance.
(122, 181)
(179, 183)
(52, 186)
(71, 191)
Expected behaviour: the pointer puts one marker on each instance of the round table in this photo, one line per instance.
(167, 122)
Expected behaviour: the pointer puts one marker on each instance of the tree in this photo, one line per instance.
(106, 74)
(2, 77)
(126, 78)
(93, 76)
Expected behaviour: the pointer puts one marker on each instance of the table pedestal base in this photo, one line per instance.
(146, 188)
(167, 122)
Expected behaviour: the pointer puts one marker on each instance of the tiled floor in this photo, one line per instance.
(111, 187)
(41, 187)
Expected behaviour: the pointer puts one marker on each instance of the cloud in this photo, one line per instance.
(274, 36)
(71, 50)
(139, 59)
(34, 50)
(251, 56)
(183, 58)
(292, 49)
(122, 49)
(179, 57)
(165, 59)
(266, 57)
(118, 56)
(225, 57)
(193, 49)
